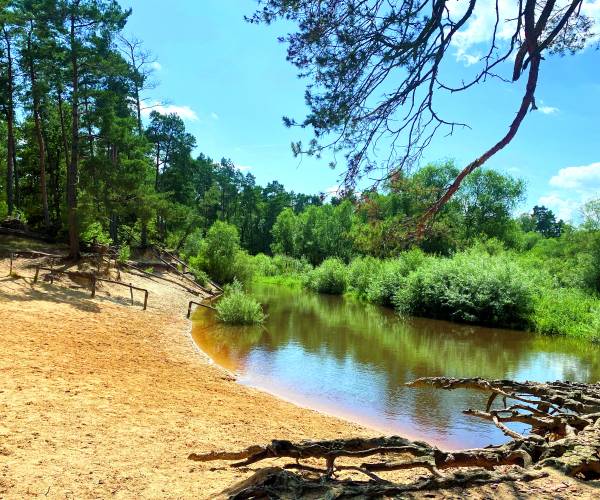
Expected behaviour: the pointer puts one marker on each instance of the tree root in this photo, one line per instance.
(565, 435)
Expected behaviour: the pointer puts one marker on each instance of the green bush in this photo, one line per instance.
(471, 287)
(238, 308)
(567, 312)
(219, 251)
(192, 244)
(3, 209)
(330, 277)
(291, 266)
(264, 265)
(243, 267)
(361, 273)
(124, 254)
(94, 233)
(201, 277)
(392, 275)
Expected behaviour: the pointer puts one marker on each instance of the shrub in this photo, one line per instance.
(361, 272)
(471, 287)
(219, 251)
(94, 233)
(568, 312)
(200, 276)
(243, 267)
(124, 254)
(329, 277)
(264, 265)
(392, 275)
(192, 244)
(286, 265)
(238, 308)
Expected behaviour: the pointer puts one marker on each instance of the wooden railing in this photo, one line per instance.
(192, 302)
(93, 280)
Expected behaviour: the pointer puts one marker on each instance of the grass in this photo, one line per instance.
(236, 307)
(293, 281)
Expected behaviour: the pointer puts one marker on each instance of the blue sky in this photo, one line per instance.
(230, 82)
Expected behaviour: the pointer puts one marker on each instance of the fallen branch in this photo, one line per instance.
(565, 421)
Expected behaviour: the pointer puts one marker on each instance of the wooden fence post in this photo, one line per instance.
(37, 272)
(93, 286)
(11, 263)
(145, 299)
(131, 292)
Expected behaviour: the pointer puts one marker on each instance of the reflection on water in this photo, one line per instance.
(351, 360)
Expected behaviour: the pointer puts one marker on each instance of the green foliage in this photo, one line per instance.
(124, 254)
(330, 277)
(238, 308)
(569, 312)
(316, 233)
(219, 256)
(471, 287)
(591, 215)
(222, 244)
(200, 276)
(95, 233)
(3, 209)
(392, 275)
(243, 268)
(361, 272)
(280, 265)
(192, 245)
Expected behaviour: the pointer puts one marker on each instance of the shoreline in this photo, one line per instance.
(100, 399)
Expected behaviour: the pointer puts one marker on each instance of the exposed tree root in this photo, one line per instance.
(565, 434)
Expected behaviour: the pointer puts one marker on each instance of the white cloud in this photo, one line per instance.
(480, 27)
(573, 186)
(592, 9)
(584, 178)
(243, 168)
(563, 208)
(214, 116)
(185, 112)
(548, 110)
(156, 65)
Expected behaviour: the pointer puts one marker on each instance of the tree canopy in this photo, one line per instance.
(377, 68)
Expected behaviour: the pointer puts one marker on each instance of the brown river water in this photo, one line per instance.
(351, 360)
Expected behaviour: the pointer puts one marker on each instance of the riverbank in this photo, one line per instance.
(100, 399)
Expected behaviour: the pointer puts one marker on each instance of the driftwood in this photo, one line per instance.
(565, 435)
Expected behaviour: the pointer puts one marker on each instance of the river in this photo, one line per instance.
(350, 359)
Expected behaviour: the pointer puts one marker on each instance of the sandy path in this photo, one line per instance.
(99, 399)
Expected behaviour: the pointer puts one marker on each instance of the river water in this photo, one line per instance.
(351, 360)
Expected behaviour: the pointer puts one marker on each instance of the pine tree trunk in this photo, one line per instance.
(10, 170)
(72, 171)
(40, 138)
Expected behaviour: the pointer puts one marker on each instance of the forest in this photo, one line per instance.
(171, 296)
(86, 160)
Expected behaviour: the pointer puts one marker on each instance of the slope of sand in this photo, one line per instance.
(99, 399)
